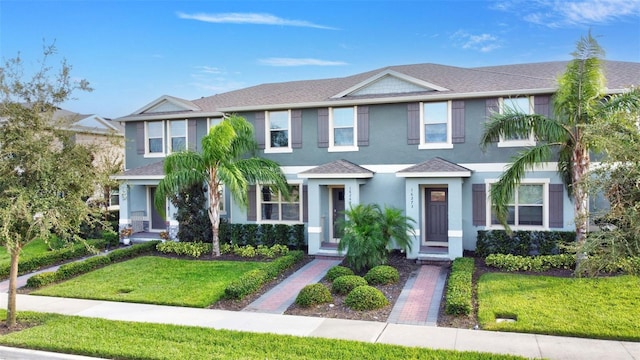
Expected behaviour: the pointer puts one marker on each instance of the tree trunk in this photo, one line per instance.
(581, 163)
(214, 214)
(13, 280)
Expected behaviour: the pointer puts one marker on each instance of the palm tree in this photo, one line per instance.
(226, 158)
(579, 101)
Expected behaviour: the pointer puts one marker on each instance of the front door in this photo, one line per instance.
(337, 212)
(157, 221)
(437, 215)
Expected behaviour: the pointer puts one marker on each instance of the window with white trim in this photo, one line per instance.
(213, 122)
(221, 204)
(155, 137)
(177, 135)
(435, 118)
(114, 197)
(278, 124)
(343, 129)
(273, 207)
(528, 209)
(522, 105)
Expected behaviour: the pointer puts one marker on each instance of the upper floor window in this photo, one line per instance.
(273, 207)
(155, 137)
(436, 125)
(177, 135)
(278, 124)
(522, 105)
(342, 129)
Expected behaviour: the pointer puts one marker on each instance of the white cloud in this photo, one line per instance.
(483, 42)
(563, 13)
(209, 69)
(299, 62)
(250, 18)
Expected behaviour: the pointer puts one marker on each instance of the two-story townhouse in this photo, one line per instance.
(402, 136)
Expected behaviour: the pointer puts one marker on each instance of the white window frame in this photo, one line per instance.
(517, 143)
(268, 149)
(545, 205)
(332, 146)
(170, 135)
(114, 193)
(443, 145)
(211, 122)
(280, 203)
(147, 152)
(222, 204)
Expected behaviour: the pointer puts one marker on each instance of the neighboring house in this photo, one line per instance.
(403, 136)
(108, 137)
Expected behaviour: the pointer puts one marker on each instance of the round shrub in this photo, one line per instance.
(382, 275)
(338, 271)
(366, 297)
(313, 294)
(345, 283)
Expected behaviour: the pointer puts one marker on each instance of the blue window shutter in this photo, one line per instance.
(252, 210)
(541, 105)
(191, 134)
(305, 204)
(457, 119)
(323, 128)
(140, 138)
(363, 126)
(479, 204)
(296, 129)
(259, 126)
(413, 124)
(556, 201)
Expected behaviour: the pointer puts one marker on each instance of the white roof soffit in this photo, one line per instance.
(371, 80)
(444, 174)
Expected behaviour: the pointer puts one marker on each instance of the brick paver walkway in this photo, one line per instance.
(419, 301)
(278, 299)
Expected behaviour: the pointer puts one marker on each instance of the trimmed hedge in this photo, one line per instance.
(35, 263)
(70, 270)
(345, 283)
(460, 287)
(192, 249)
(292, 236)
(510, 262)
(337, 271)
(313, 294)
(253, 280)
(382, 275)
(366, 297)
(523, 243)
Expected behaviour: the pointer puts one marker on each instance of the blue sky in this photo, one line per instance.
(134, 51)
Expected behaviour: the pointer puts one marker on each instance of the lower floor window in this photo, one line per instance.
(526, 207)
(274, 207)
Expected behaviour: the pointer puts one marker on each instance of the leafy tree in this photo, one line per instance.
(227, 158)
(579, 101)
(45, 178)
(368, 231)
(192, 214)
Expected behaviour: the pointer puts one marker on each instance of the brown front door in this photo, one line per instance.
(437, 215)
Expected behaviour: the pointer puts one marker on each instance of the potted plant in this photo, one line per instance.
(125, 235)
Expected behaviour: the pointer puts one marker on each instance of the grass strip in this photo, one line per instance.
(602, 308)
(129, 340)
(156, 280)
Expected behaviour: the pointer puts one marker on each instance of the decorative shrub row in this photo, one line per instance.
(262, 234)
(523, 243)
(192, 249)
(361, 296)
(337, 271)
(510, 262)
(313, 294)
(344, 284)
(459, 288)
(382, 275)
(35, 263)
(366, 297)
(253, 280)
(70, 270)
(250, 251)
(594, 265)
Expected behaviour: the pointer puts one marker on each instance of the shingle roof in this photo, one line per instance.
(437, 166)
(343, 168)
(151, 170)
(460, 82)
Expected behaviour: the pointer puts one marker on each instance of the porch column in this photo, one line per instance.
(412, 210)
(314, 225)
(124, 214)
(455, 217)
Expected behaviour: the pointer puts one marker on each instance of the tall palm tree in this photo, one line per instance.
(227, 158)
(579, 101)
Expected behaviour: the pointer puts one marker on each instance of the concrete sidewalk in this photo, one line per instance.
(528, 345)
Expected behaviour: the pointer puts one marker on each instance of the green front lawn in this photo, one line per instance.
(128, 340)
(33, 248)
(155, 280)
(605, 308)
